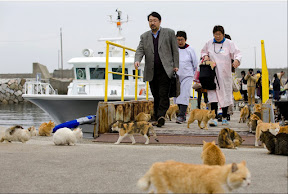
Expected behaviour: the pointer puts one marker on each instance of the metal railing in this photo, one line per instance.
(123, 72)
(40, 88)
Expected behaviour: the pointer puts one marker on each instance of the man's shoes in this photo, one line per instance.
(228, 117)
(180, 120)
(213, 123)
(225, 122)
(161, 122)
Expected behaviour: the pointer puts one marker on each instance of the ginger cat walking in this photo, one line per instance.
(178, 177)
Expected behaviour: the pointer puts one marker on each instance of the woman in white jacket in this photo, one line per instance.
(187, 66)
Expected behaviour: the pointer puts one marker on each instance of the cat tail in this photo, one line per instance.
(154, 134)
(144, 182)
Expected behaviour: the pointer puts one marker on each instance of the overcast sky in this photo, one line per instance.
(30, 31)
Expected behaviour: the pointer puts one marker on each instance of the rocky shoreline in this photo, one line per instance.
(11, 90)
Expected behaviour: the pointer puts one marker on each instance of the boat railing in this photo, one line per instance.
(123, 72)
(37, 87)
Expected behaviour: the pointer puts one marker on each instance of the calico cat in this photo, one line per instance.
(45, 129)
(129, 128)
(201, 115)
(244, 114)
(143, 117)
(275, 144)
(228, 138)
(172, 112)
(252, 123)
(18, 133)
(178, 177)
(212, 154)
(272, 127)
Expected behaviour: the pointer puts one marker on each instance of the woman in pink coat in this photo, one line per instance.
(221, 51)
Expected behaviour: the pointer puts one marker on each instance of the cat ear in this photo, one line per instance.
(234, 167)
(213, 142)
(244, 162)
(204, 142)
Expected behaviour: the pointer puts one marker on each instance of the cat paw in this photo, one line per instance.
(133, 143)
(146, 143)
(116, 143)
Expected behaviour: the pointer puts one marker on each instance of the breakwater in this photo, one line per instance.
(11, 90)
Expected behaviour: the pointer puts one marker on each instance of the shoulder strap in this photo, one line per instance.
(216, 77)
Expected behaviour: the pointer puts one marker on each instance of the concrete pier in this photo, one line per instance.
(99, 166)
(89, 167)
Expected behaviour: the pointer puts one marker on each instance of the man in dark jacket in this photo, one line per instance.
(160, 48)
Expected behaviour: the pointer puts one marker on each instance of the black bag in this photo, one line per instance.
(207, 76)
(174, 89)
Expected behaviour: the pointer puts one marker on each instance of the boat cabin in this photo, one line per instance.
(89, 74)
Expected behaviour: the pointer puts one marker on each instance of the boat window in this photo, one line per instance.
(97, 73)
(119, 70)
(80, 73)
(139, 73)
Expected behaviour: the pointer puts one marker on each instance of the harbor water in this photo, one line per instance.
(25, 114)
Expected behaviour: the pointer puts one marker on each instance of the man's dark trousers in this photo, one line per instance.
(160, 86)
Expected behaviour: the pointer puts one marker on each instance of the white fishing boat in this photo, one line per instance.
(88, 87)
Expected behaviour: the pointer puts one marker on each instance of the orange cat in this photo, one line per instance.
(257, 107)
(151, 107)
(178, 177)
(172, 111)
(283, 129)
(188, 108)
(143, 117)
(203, 105)
(45, 129)
(244, 113)
(261, 127)
(201, 115)
(212, 154)
(119, 116)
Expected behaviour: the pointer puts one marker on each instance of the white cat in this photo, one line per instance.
(17, 133)
(65, 136)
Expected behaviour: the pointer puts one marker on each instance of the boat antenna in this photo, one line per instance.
(118, 21)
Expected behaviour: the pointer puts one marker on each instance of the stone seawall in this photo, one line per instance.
(11, 90)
